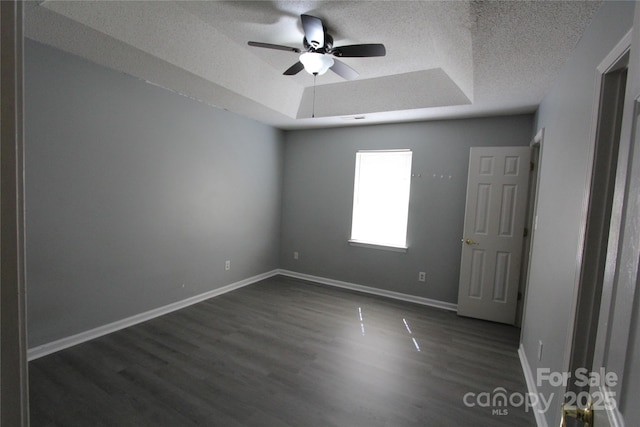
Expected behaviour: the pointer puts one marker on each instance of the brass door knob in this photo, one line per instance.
(585, 415)
(470, 242)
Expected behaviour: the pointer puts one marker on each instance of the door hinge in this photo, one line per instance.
(519, 296)
(526, 232)
(532, 166)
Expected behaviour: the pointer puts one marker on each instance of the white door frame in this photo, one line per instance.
(537, 141)
(14, 396)
(621, 268)
(612, 58)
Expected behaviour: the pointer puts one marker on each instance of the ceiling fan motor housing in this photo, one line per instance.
(313, 46)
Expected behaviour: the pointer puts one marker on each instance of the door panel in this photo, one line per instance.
(503, 262)
(477, 273)
(493, 232)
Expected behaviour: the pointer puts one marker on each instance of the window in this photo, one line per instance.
(381, 198)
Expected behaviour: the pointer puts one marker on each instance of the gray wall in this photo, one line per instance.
(133, 191)
(318, 198)
(565, 113)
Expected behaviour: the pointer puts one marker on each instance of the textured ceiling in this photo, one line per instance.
(444, 59)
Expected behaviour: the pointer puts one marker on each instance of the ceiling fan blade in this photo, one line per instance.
(313, 30)
(274, 46)
(360, 50)
(294, 69)
(343, 70)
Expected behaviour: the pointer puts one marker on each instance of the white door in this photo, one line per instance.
(493, 232)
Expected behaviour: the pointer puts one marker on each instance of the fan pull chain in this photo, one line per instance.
(313, 111)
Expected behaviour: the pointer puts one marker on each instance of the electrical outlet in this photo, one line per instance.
(227, 265)
(422, 276)
(296, 255)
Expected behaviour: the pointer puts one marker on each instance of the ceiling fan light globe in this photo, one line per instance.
(316, 63)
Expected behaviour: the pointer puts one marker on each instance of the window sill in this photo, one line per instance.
(361, 244)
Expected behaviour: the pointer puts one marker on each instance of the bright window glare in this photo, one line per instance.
(381, 197)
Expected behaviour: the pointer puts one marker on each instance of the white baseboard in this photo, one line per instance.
(61, 344)
(530, 379)
(369, 290)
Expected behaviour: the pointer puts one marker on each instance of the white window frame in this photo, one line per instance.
(403, 197)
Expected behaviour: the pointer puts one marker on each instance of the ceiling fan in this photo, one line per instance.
(319, 49)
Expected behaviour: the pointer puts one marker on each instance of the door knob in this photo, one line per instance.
(470, 242)
(585, 415)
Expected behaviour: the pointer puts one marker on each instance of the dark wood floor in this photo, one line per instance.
(284, 352)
